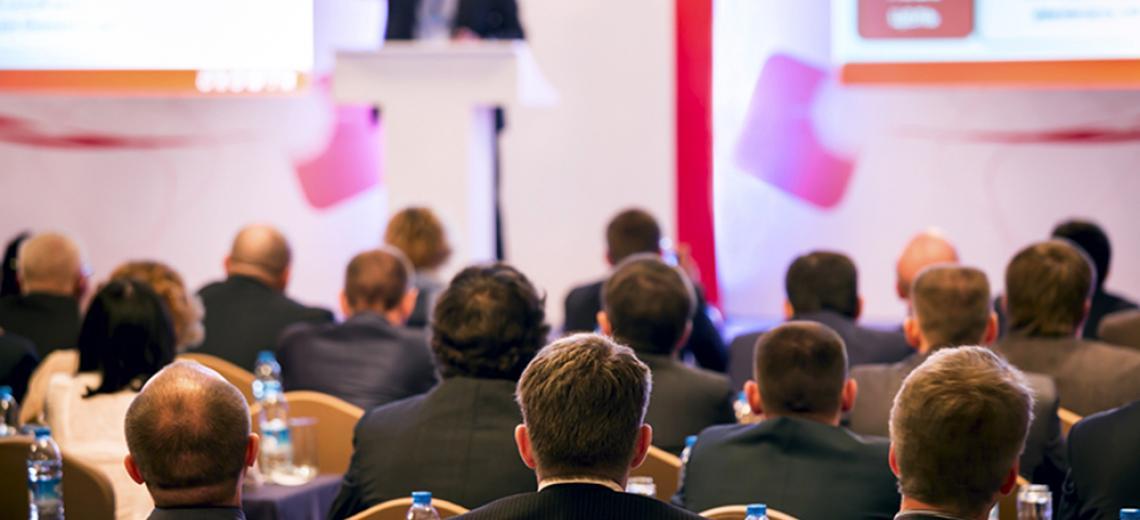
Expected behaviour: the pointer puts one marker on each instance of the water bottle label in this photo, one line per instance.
(45, 490)
(275, 438)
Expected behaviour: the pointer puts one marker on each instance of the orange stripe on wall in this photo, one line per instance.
(1060, 74)
(155, 82)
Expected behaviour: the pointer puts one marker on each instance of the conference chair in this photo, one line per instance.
(1007, 505)
(336, 420)
(740, 512)
(237, 376)
(1068, 419)
(87, 492)
(398, 509)
(665, 470)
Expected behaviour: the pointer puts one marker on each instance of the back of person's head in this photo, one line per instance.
(951, 305)
(1092, 240)
(185, 309)
(924, 250)
(188, 432)
(648, 304)
(1047, 287)
(126, 336)
(958, 426)
(378, 280)
(9, 279)
(420, 235)
(488, 323)
(631, 232)
(261, 251)
(823, 281)
(50, 263)
(583, 402)
(801, 370)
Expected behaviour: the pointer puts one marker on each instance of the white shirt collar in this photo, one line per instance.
(580, 480)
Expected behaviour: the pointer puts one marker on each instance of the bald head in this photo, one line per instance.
(188, 432)
(262, 252)
(924, 250)
(50, 263)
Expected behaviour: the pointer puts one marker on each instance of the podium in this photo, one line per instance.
(437, 103)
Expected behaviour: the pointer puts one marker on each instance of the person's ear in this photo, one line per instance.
(81, 284)
(850, 391)
(133, 469)
(609, 258)
(991, 333)
(912, 332)
(684, 336)
(522, 440)
(858, 307)
(408, 303)
(644, 441)
(789, 311)
(1003, 304)
(228, 264)
(345, 307)
(752, 394)
(1010, 481)
(252, 447)
(1084, 316)
(604, 324)
(894, 463)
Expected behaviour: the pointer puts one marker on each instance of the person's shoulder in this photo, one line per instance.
(1123, 359)
(585, 292)
(1124, 418)
(15, 343)
(514, 506)
(747, 339)
(704, 379)
(212, 288)
(384, 416)
(721, 433)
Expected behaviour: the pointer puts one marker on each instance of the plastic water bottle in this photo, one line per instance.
(264, 371)
(1130, 514)
(276, 444)
(756, 512)
(742, 409)
(45, 478)
(641, 485)
(687, 453)
(421, 507)
(1035, 503)
(9, 412)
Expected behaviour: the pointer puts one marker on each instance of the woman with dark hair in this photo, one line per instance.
(126, 337)
(9, 284)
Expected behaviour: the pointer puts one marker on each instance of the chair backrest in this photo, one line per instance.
(398, 509)
(1068, 419)
(237, 376)
(740, 512)
(87, 492)
(336, 420)
(664, 468)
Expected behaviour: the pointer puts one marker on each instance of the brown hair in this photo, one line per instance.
(801, 368)
(630, 232)
(185, 311)
(377, 279)
(823, 281)
(1046, 286)
(583, 400)
(648, 303)
(419, 234)
(952, 305)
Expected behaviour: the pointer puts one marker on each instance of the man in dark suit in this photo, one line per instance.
(1047, 290)
(52, 281)
(1121, 328)
(649, 307)
(824, 287)
(17, 362)
(1094, 242)
(950, 307)
(247, 312)
(957, 428)
(798, 460)
(583, 402)
(188, 433)
(1105, 465)
(371, 359)
(424, 19)
(456, 439)
(631, 232)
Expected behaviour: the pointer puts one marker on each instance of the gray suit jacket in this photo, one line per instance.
(1121, 328)
(685, 401)
(1043, 461)
(1090, 376)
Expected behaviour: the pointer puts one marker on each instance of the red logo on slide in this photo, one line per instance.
(916, 18)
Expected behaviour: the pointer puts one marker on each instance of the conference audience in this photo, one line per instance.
(823, 287)
(247, 312)
(371, 359)
(924, 250)
(18, 361)
(455, 440)
(52, 282)
(126, 337)
(1091, 239)
(583, 402)
(631, 232)
(648, 306)
(1104, 475)
(1047, 291)
(950, 306)
(957, 428)
(798, 459)
(420, 235)
(9, 280)
(1121, 328)
(188, 431)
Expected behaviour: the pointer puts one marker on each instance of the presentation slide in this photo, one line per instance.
(205, 46)
(987, 40)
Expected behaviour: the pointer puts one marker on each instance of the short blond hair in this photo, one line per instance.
(420, 235)
(958, 425)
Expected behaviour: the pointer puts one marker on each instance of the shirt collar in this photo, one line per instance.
(580, 480)
(924, 513)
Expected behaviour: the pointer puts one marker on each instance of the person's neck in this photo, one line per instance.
(828, 419)
(910, 504)
(47, 290)
(256, 274)
(393, 317)
(583, 478)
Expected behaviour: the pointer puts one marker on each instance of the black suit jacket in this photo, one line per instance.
(578, 501)
(198, 513)
(457, 441)
(685, 401)
(245, 316)
(490, 19)
(705, 343)
(1091, 376)
(365, 360)
(1104, 474)
(1103, 304)
(17, 362)
(1042, 462)
(864, 345)
(50, 321)
(800, 467)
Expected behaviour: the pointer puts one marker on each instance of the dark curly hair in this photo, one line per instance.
(489, 323)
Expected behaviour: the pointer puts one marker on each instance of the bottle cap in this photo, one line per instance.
(42, 431)
(421, 498)
(1130, 514)
(1038, 488)
(756, 510)
(742, 396)
(690, 441)
(266, 356)
(5, 391)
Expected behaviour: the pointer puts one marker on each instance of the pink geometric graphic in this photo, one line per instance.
(350, 165)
